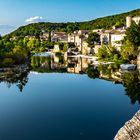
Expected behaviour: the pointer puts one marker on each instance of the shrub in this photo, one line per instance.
(7, 62)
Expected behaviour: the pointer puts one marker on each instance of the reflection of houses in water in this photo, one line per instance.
(115, 77)
(77, 65)
(56, 59)
(110, 72)
(48, 64)
(58, 62)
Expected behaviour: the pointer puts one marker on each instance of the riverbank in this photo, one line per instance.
(131, 129)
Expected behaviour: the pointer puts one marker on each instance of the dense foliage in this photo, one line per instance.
(12, 52)
(18, 50)
(133, 34)
(93, 38)
(130, 49)
(16, 47)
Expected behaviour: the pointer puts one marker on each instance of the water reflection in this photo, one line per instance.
(131, 83)
(15, 76)
(61, 64)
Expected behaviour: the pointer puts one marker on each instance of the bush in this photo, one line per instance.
(7, 62)
(59, 54)
(115, 57)
(20, 55)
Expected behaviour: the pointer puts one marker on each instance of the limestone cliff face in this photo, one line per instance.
(131, 130)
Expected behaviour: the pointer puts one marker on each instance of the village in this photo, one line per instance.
(114, 37)
(79, 47)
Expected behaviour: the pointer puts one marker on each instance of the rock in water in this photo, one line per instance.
(131, 130)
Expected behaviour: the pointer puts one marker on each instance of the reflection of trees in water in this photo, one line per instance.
(103, 71)
(92, 72)
(132, 84)
(37, 62)
(19, 77)
(22, 81)
(40, 63)
(47, 64)
(130, 80)
(108, 69)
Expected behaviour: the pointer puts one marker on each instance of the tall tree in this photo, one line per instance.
(92, 39)
(133, 34)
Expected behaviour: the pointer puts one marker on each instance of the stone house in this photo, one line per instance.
(59, 37)
(130, 19)
(113, 37)
(56, 48)
(78, 37)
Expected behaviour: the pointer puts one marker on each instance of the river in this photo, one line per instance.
(65, 99)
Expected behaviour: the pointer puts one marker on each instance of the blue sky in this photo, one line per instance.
(15, 12)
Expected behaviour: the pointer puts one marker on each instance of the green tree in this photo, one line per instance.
(92, 39)
(20, 54)
(7, 62)
(133, 34)
(131, 84)
(129, 51)
(31, 44)
(102, 52)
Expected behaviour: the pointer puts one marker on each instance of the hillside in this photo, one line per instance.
(104, 22)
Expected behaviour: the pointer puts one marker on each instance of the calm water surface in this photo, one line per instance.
(63, 106)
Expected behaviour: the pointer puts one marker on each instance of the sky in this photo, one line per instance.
(20, 12)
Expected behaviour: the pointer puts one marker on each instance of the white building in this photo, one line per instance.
(78, 37)
(116, 38)
(105, 37)
(112, 37)
(136, 19)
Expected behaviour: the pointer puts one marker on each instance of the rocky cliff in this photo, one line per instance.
(131, 130)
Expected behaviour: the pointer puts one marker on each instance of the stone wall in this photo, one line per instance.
(131, 130)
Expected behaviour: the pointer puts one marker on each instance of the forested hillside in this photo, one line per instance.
(105, 23)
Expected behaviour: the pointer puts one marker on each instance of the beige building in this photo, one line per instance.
(78, 37)
(59, 37)
(105, 37)
(130, 19)
(56, 48)
(138, 62)
(85, 49)
(113, 37)
(117, 37)
(96, 48)
(80, 65)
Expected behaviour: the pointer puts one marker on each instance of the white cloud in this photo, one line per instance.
(34, 19)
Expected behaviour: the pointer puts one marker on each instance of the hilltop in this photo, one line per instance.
(104, 22)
